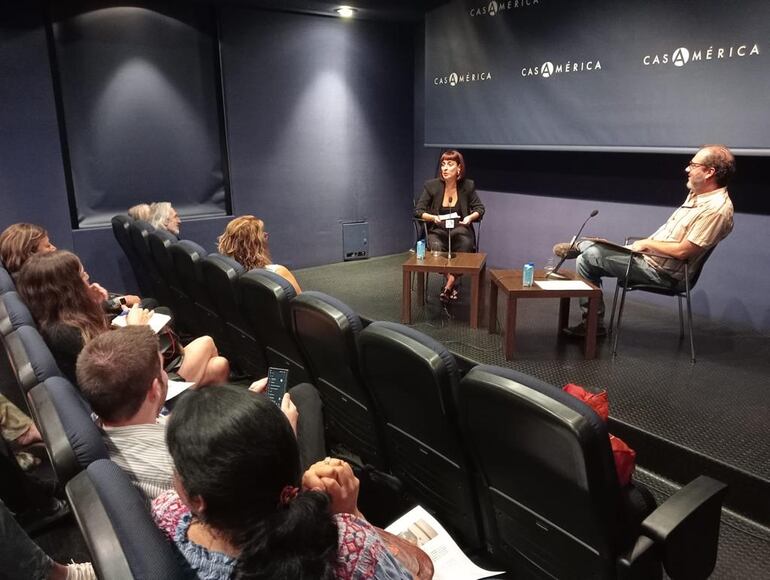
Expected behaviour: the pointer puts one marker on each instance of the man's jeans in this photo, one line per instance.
(596, 261)
(20, 556)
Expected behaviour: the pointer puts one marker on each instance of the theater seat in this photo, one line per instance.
(31, 360)
(120, 229)
(139, 231)
(187, 257)
(413, 380)
(549, 492)
(221, 275)
(116, 524)
(71, 438)
(265, 304)
(160, 242)
(13, 313)
(327, 333)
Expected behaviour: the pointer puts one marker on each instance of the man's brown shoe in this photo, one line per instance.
(563, 250)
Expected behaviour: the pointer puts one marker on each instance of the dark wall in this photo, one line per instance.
(32, 185)
(319, 129)
(319, 122)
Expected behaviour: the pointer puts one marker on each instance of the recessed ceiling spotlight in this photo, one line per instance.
(346, 11)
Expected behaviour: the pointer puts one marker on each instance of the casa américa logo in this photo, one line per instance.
(551, 69)
(683, 55)
(453, 79)
(495, 7)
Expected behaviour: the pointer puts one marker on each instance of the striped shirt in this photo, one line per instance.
(704, 220)
(140, 450)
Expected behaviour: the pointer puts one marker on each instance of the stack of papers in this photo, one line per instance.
(157, 321)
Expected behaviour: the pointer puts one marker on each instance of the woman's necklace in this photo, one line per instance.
(203, 535)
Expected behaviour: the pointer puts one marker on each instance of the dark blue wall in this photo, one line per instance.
(319, 124)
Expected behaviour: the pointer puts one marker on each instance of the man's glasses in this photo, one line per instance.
(692, 164)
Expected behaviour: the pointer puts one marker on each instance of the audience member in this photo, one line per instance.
(23, 558)
(121, 376)
(19, 242)
(450, 192)
(700, 223)
(237, 510)
(68, 313)
(245, 240)
(164, 217)
(140, 211)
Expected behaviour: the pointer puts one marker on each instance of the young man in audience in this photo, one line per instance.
(121, 375)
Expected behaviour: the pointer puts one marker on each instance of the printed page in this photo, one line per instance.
(449, 562)
(157, 321)
(562, 285)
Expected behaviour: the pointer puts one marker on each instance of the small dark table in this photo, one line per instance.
(509, 282)
(471, 264)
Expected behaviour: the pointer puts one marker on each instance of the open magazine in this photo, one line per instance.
(449, 562)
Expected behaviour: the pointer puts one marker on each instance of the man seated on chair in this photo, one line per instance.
(700, 223)
(120, 373)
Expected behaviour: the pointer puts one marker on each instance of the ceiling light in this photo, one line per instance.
(346, 11)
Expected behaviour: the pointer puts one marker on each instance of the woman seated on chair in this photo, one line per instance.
(237, 510)
(245, 241)
(450, 192)
(68, 313)
(20, 241)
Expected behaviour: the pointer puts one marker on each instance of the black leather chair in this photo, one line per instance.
(187, 257)
(160, 242)
(681, 291)
(30, 357)
(124, 542)
(120, 229)
(13, 313)
(139, 231)
(6, 282)
(413, 380)
(327, 333)
(265, 298)
(550, 494)
(71, 438)
(221, 274)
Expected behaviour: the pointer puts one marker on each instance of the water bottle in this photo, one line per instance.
(421, 250)
(528, 274)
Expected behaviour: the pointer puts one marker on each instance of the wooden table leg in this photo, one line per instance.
(406, 298)
(475, 297)
(591, 324)
(420, 288)
(482, 296)
(563, 313)
(492, 325)
(510, 328)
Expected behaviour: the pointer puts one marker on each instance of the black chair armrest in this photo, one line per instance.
(686, 528)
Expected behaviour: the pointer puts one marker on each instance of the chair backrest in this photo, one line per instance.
(327, 333)
(550, 490)
(121, 535)
(159, 242)
(139, 231)
(31, 359)
(265, 298)
(13, 313)
(6, 282)
(120, 229)
(413, 380)
(221, 275)
(695, 276)
(187, 257)
(71, 438)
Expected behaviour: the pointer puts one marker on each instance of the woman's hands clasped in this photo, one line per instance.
(336, 478)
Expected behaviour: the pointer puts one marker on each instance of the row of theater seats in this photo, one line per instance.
(507, 462)
(111, 513)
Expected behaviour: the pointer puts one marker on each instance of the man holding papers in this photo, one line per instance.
(702, 221)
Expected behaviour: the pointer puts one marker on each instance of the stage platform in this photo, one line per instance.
(711, 418)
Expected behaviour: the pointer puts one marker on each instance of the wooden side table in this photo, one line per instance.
(509, 282)
(471, 264)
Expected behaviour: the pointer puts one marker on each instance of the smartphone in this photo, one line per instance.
(276, 384)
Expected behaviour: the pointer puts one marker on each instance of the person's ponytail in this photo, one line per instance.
(299, 540)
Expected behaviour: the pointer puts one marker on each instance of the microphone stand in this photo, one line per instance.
(555, 272)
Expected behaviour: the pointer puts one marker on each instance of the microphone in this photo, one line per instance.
(555, 272)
